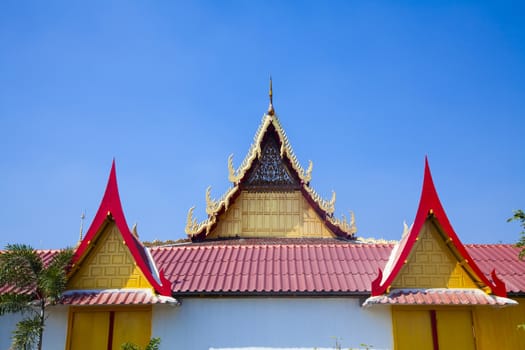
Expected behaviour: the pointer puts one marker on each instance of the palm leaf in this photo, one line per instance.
(19, 266)
(26, 334)
(14, 303)
(53, 279)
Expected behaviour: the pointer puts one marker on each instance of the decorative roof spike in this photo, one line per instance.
(231, 171)
(211, 205)
(308, 172)
(135, 231)
(191, 223)
(405, 228)
(332, 200)
(82, 217)
(271, 111)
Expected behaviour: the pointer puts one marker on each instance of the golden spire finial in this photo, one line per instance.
(271, 111)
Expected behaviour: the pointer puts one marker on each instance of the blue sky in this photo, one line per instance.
(364, 89)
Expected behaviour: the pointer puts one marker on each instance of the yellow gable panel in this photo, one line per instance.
(271, 214)
(109, 265)
(431, 264)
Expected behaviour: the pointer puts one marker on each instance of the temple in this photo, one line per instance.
(271, 267)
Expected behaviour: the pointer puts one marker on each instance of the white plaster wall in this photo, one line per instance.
(7, 326)
(54, 332)
(271, 323)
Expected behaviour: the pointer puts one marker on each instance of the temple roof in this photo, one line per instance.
(430, 208)
(110, 210)
(261, 171)
(293, 266)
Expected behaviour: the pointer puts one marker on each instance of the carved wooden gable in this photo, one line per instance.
(270, 171)
(271, 196)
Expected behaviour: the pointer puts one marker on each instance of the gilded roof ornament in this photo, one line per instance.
(232, 177)
(237, 175)
(211, 205)
(327, 206)
(192, 227)
(406, 228)
(271, 111)
(308, 173)
(343, 223)
(371, 240)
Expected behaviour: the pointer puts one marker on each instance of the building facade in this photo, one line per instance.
(271, 267)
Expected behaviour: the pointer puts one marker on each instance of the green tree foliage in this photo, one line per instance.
(36, 286)
(519, 216)
(153, 344)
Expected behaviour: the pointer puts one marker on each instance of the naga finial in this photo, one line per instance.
(308, 172)
(271, 111)
(191, 223)
(231, 171)
(135, 231)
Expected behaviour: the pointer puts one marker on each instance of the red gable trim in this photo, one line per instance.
(110, 209)
(430, 206)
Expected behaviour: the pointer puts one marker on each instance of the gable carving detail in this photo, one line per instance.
(432, 265)
(270, 170)
(109, 265)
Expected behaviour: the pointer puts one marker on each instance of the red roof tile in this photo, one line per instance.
(114, 297)
(320, 267)
(503, 258)
(308, 266)
(46, 255)
(438, 296)
(342, 267)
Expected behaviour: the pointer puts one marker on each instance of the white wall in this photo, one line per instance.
(7, 325)
(271, 323)
(54, 332)
(246, 323)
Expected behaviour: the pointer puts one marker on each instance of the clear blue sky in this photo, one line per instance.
(364, 89)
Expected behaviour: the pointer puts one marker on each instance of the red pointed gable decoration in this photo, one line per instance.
(430, 207)
(110, 209)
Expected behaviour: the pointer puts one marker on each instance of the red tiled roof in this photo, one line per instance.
(310, 266)
(252, 266)
(438, 296)
(114, 297)
(503, 258)
(46, 255)
(327, 267)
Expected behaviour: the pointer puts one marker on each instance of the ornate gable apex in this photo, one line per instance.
(272, 164)
(431, 210)
(270, 128)
(110, 211)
